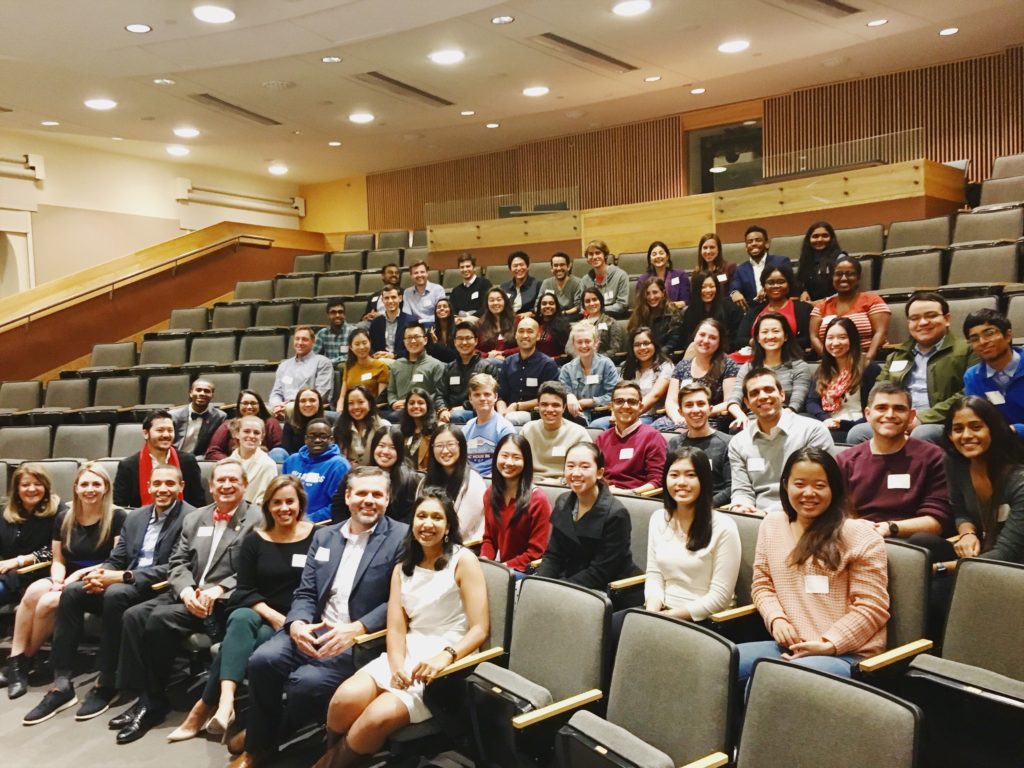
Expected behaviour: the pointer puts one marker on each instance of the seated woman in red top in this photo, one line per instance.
(867, 310)
(554, 327)
(517, 516)
(497, 326)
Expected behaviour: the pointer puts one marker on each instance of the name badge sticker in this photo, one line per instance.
(675, 281)
(899, 482)
(298, 561)
(558, 450)
(204, 531)
(323, 554)
(474, 295)
(592, 379)
(454, 380)
(625, 454)
(602, 326)
(531, 381)
(417, 378)
(1002, 513)
(816, 585)
(373, 299)
(366, 377)
(756, 464)
(609, 295)
(898, 365)
(995, 397)
(721, 278)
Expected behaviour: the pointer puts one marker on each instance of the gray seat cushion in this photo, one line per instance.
(537, 695)
(967, 674)
(620, 741)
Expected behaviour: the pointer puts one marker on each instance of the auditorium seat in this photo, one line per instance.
(377, 260)
(361, 242)
(683, 258)
(541, 270)
(867, 270)
(393, 239)
(917, 236)
(19, 396)
(998, 264)
(346, 261)
(226, 386)
(412, 255)
(310, 262)
(450, 278)
(164, 391)
(277, 316)
(737, 252)
(186, 321)
(24, 443)
(209, 352)
(1015, 314)
(354, 310)
(862, 240)
(269, 347)
(580, 267)
(742, 622)
(988, 228)
(127, 440)
(62, 397)
(108, 358)
(160, 355)
(419, 238)
(499, 273)
(787, 245)
(898, 330)
(113, 395)
(632, 263)
(1001, 193)
(671, 699)
(254, 290)
(83, 442)
(232, 317)
(959, 309)
(1008, 166)
(337, 285)
(910, 271)
(261, 382)
(62, 472)
(303, 286)
(313, 313)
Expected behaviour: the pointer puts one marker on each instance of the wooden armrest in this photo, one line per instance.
(714, 760)
(472, 543)
(536, 563)
(34, 567)
(556, 708)
(882, 660)
(470, 661)
(602, 409)
(650, 492)
(160, 585)
(322, 523)
(365, 638)
(629, 581)
(733, 613)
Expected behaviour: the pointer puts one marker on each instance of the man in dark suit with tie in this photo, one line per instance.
(343, 594)
(745, 285)
(202, 576)
(195, 423)
(139, 560)
(132, 478)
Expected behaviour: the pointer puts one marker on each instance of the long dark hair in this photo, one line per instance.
(719, 261)
(790, 349)
(718, 356)
(821, 540)
(300, 422)
(557, 326)
(595, 451)
(413, 554)
(345, 425)
(491, 326)
(436, 474)
(829, 367)
(403, 474)
(631, 366)
(444, 329)
(696, 313)
(263, 413)
(1002, 457)
(350, 360)
(595, 292)
(806, 266)
(498, 483)
(668, 252)
(699, 535)
(643, 314)
(429, 419)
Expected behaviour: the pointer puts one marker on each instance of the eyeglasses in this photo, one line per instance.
(629, 402)
(927, 317)
(415, 337)
(316, 438)
(986, 335)
(847, 275)
(442, 447)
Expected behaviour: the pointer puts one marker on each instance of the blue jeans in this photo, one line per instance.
(769, 649)
(279, 454)
(462, 416)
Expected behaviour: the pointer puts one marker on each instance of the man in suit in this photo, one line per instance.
(745, 286)
(201, 578)
(139, 560)
(387, 329)
(131, 483)
(343, 594)
(195, 423)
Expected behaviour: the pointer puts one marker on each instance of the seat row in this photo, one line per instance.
(359, 260)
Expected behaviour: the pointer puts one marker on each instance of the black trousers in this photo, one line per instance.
(111, 604)
(153, 631)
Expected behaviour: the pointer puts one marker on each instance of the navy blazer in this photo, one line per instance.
(368, 601)
(743, 278)
(377, 333)
(125, 556)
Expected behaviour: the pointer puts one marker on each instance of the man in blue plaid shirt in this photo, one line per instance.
(332, 341)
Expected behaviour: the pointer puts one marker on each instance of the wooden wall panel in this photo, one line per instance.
(964, 109)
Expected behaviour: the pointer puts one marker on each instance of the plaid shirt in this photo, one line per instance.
(333, 346)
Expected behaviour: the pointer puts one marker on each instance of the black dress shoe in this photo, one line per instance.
(17, 677)
(118, 722)
(146, 717)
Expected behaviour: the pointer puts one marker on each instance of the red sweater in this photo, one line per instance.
(634, 460)
(518, 544)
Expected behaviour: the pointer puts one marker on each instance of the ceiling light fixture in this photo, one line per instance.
(750, 122)
(698, 91)
(717, 169)
(278, 169)
(163, 81)
(361, 117)
(213, 14)
(139, 29)
(652, 78)
(447, 56)
(536, 90)
(493, 125)
(877, 22)
(50, 123)
(503, 19)
(333, 143)
(177, 150)
(467, 112)
(186, 132)
(331, 59)
(631, 7)
(101, 105)
(949, 31)
(734, 46)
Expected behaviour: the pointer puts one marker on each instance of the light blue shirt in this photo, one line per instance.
(1002, 378)
(421, 305)
(147, 555)
(917, 379)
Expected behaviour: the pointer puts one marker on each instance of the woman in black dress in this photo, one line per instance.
(26, 527)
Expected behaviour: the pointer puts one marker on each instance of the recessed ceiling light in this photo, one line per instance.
(331, 59)
(536, 90)
(493, 125)
(177, 150)
(467, 112)
(100, 104)
(447, 56)
(278, 169)
(333, 143)
(734, 46)
(652, 78)
(503, 19)
(361, 117)
(949, 31)
(139, 29)
(750, 122)
(631, 7)
(698, 91)
(186, 132)
(163, 81)
(50, 123)
(213, 14)
(717, 169)
(878, 22)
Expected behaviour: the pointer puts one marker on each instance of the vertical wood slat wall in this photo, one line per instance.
(966, 109)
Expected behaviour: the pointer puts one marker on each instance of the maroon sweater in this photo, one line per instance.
(634, 460)
(522, 542)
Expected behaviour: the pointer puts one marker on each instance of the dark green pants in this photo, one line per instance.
(246, 631)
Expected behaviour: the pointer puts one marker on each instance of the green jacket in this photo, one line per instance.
(945, 374)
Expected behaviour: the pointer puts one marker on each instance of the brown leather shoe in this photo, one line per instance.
(236, 744)
(247, 760)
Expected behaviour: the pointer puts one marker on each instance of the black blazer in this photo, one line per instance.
(368, 601)
(125, 556)
(593, 551)
(212, 418)
(529, 291)
(126, 481)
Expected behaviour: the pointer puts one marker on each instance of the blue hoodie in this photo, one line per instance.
(320, 475)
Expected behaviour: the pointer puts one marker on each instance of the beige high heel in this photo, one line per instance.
(183, 733)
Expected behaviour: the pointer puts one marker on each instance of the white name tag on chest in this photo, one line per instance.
(995, 397)
(204, 531)
(722, 278)
(899, 482)
(756, 464)
(531, 381)
(609, 295)
(323, 554)
(625, 453)
(898, 365)
(1002, 513)
(298, 561)
(417, 378)
(816, 585)
(592, 379)
(454, 380)
(675, 281)
(474, 295)
(558, 450)
(366, 377)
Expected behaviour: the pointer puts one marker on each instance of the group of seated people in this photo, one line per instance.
(377, 516)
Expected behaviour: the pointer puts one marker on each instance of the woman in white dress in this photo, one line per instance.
(437, 613)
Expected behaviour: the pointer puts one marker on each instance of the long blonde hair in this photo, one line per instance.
(15, 512)
(106, 505)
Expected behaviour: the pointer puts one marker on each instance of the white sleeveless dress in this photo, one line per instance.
(437, 618)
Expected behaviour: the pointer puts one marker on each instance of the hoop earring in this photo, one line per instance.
(446, 538)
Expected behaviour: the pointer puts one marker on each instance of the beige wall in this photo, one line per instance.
(336, 206)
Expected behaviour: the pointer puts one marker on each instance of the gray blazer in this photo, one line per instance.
(192, 551)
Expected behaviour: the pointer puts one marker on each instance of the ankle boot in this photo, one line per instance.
(17, 676)
(340, 755)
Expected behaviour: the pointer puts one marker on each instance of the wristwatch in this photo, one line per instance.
(894, 530)
(940, 569)
(128, 577)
